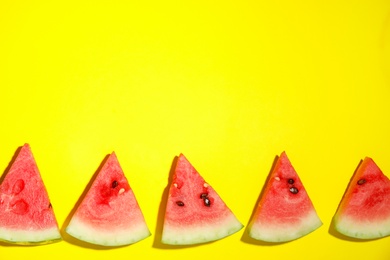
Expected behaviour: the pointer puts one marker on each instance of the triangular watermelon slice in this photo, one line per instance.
(195, 213)
(26, 214)
(364, 210)
(284, 211)
(109, 214)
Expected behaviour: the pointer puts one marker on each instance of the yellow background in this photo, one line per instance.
(231, 84)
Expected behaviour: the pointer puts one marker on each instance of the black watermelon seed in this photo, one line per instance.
(290, 181)
(114, 184)
(50, 206)
(207, 202)
(293, 190)
(361, 181)
(203, 195)
(180, 203)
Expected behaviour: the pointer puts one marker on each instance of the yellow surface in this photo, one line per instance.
(231, 84)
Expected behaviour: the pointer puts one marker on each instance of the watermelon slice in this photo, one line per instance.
(364, 210)
(109, 214)
(26, 214)
(284, 211)
(195, 213)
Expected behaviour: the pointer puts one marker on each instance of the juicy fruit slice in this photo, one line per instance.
(26, 214)
(364, 210)
(285, 211)
(109, 214)
(195, 213)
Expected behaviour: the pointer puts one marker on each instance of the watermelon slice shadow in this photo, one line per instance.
(6, 170)
(72, 240)
(245, 236)
(332, 227)
(161, 214)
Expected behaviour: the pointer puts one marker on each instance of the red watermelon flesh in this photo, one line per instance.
(26, 214)
(195, 213)
(109, 214)
(364, 210)
(285, 211)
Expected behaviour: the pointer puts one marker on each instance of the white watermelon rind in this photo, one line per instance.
(362, 229)
(284, 232)
(30, 237)
(203, 233)
(116, 237)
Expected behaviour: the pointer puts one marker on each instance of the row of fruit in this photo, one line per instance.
(109, 214)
